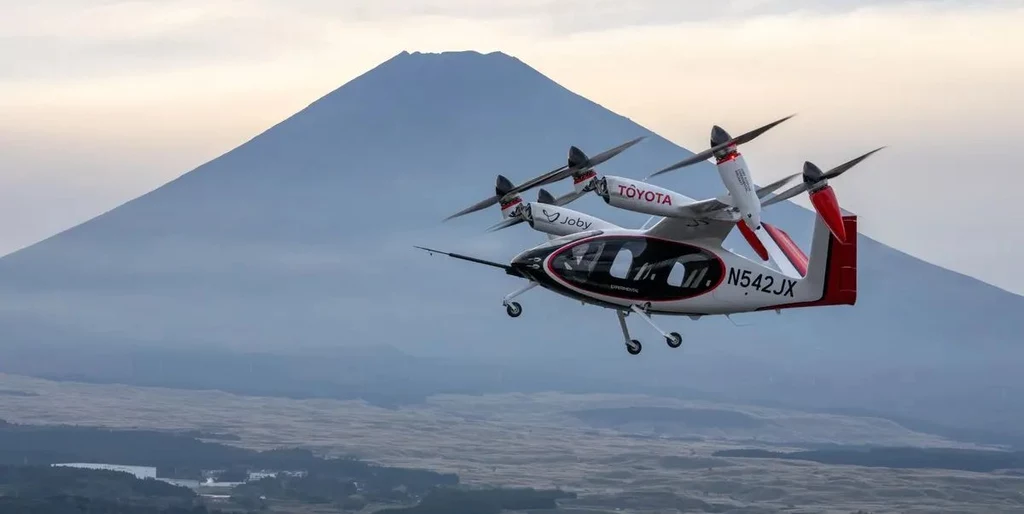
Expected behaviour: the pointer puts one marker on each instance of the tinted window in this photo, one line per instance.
(620, 266)
(638, 268)
(675, 277)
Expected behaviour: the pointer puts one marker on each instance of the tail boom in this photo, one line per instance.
(832, 264)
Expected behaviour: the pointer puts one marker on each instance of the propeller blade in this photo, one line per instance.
(476, 207)
(555, 175)
(839, 170)
(706, 154)
(694, 159)
(786, 195)
(511, 222)
(766, 190)
(571, 196)
(743, 139)
(812, 174)
(566, 171)
(552, 176)
(607, 155)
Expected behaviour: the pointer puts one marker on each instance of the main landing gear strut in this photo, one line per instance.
(513, 309)
(633, 346)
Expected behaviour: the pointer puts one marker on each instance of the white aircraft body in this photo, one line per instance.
(678, 266)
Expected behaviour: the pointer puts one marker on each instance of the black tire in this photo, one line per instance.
(674, 340)
(514, 309)
(634, 347)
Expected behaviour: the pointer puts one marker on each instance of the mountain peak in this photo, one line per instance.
(453, 53)
(448, 63)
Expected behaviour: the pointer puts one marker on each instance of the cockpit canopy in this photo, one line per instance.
(638, 268)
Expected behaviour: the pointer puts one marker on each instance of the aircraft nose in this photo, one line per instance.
(521, 260)
(527, 261)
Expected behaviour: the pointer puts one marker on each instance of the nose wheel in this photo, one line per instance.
(513, 309)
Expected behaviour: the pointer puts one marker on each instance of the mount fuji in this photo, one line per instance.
(300, 241)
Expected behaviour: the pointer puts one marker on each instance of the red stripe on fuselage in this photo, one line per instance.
(793, 252)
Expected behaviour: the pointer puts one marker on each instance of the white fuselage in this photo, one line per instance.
(623, 267)
(736, 177)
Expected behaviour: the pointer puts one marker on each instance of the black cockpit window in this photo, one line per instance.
(621, 264)
(639, 268)
(675, 277)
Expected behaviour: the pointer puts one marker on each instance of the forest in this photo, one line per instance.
(28, 484)
(60, 490)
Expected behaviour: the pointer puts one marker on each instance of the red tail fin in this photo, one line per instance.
(839, 278)
(841, 274)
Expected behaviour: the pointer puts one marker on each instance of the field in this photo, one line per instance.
(619, 453)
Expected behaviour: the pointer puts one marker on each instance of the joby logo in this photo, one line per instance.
(578, 222)
(551, 217)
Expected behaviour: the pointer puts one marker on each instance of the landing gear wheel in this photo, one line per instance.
(674, 340)
(634, 347)
(514, 309)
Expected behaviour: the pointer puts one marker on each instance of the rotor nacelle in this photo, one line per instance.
(823, 199)
(636, 196)
(560, 221)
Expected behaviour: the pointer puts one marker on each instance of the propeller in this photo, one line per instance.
(813, 176)
(503, 186)
(543, 196)
(720, 140)
(823, 198)
(577, 161)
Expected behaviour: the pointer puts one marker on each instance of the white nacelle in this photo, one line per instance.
(559, 221)
(736, 177)
(637, 196)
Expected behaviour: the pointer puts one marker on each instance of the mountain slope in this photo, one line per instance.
(303, 236)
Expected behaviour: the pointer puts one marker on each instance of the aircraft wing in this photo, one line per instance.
(711, 205)
(681, 229)
(705, 207)
(697, 221)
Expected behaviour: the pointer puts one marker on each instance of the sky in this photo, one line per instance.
(101, 101)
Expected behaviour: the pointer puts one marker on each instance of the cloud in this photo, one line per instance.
(570, 16)
(74, 39)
